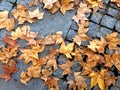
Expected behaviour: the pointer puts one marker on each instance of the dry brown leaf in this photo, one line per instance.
(49, 3)
(55, 7)
(51, 59)
(67, 50)
(36, 14)
(22, 14)
(112, 40)
(6, 22)
(66, 67)
(97, 78)
(24, 78)
(82, 36)
(52, 83)
(66, 5)
(82, 10)
(98, 45)
(8, 70)
(117, 2)
(31, 54)
(10, 42)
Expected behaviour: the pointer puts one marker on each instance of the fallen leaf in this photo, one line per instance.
(66, 67)
(67, 50)
(52, 83)
(98, 45)
(66, 5)
(117, 2)
(81, 11)
(112, 40)
(8, 70)
(98, 78)
(6, 22)
(49, 3)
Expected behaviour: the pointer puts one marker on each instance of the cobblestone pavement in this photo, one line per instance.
(103, 21)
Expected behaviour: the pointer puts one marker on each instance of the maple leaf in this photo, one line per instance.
(33, 3)
(78, 83)
(117, 2)
(31, 54)
(66, 5)
(95, 4)
(51, 57)
(25, 33)
(67, 50)
(24, 78)
(82, 10)
(22, 14)
(52, 83)
(112, 40)
(6, 22)
(55, 7)
(49, 3)
(98, 45)
(8, 70)
(81, 35)
(66, 67)
(7, 53)
(46, 73)
(36, 14)
(10, 42)
(97, 78)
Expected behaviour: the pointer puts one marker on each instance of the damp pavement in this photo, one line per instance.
(101, 22)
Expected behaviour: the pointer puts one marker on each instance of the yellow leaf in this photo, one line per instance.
(101, 83)
(67, 50)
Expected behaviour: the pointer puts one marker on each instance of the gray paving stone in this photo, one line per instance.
(118, 81)
(103, 31)
(112, 12)
(113, 5)
(71, 34)
(58, 73)
(61, 59)
(13, 1)
(117, 27)
(74, 25)
(108, 21)
(96, 87)
(63, 85)
(24, 2)
(76, 67)
(53, 23)
(96, 17)
(93, 29)
(4, 5)
(106, 1)
(70, 77)
(102, 10)
(114, 88)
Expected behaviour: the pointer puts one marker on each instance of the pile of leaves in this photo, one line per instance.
(93, 58)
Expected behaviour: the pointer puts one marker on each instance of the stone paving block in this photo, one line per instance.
(106, 1)
(117, 26)
(61, 59)
(71, 34)
(4, 5)
(114, 88)
(93, 29)
(112, 12)
(113, 5)
(53, 23)
(96, 17)
(13, 1)
(63, 85)
(102, 10)
(74, 25)
(24, 2)
(118, 81)
(103, 31)
(58, 73)
(76, 67)
(108, 21)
